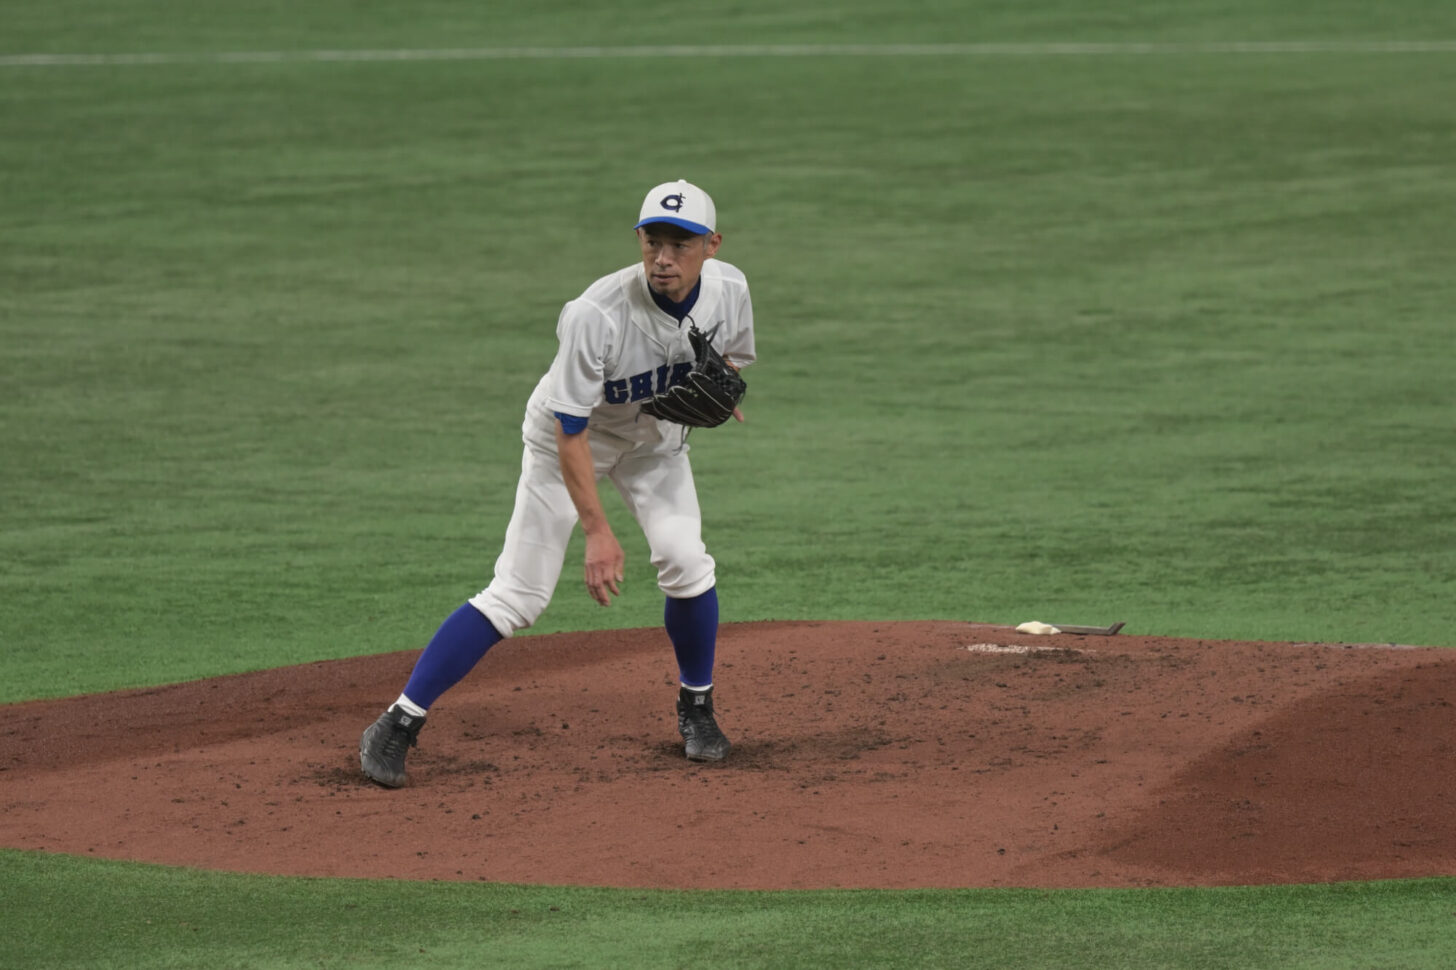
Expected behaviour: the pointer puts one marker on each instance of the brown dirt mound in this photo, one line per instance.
(929, 754)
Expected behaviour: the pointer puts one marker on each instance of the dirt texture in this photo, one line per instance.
(895, 755)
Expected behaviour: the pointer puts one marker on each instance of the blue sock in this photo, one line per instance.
(456, 648)
(692, 626)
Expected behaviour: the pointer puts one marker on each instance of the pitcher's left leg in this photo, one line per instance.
(692, 625)
(660, 493)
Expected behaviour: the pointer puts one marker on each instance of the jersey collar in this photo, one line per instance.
(678, 311)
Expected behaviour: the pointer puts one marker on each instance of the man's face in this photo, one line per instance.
(674, 257)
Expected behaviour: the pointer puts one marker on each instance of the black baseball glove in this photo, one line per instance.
(709, 394)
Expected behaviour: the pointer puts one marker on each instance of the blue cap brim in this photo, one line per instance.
(697, 228)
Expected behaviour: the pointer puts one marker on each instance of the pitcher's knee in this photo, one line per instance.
(509, 610)
(686, 580)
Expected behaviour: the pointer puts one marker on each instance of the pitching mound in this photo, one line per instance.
(931, 754)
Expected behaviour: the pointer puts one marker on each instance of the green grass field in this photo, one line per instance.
(1158, 335)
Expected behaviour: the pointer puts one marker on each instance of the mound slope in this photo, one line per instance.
(927, 754)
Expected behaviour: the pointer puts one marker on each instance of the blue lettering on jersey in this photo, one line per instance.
(639, 387)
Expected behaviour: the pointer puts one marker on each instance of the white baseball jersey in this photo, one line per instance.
(617, 349)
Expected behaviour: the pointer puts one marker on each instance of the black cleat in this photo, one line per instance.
(385, 743)
(702, 741)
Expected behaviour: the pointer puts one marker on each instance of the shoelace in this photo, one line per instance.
(399, 742)
(701, 722)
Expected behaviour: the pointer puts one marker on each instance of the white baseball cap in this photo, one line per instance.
(680, 203)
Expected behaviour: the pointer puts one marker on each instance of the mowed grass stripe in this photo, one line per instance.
(1126, 49)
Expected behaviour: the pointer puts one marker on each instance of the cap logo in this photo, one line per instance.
(673, 202)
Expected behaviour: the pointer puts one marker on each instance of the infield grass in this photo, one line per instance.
(1155, 337)
(102, 914)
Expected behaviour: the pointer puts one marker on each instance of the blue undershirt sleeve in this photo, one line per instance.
(570, 423)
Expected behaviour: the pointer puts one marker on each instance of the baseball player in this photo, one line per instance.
(631, 339)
